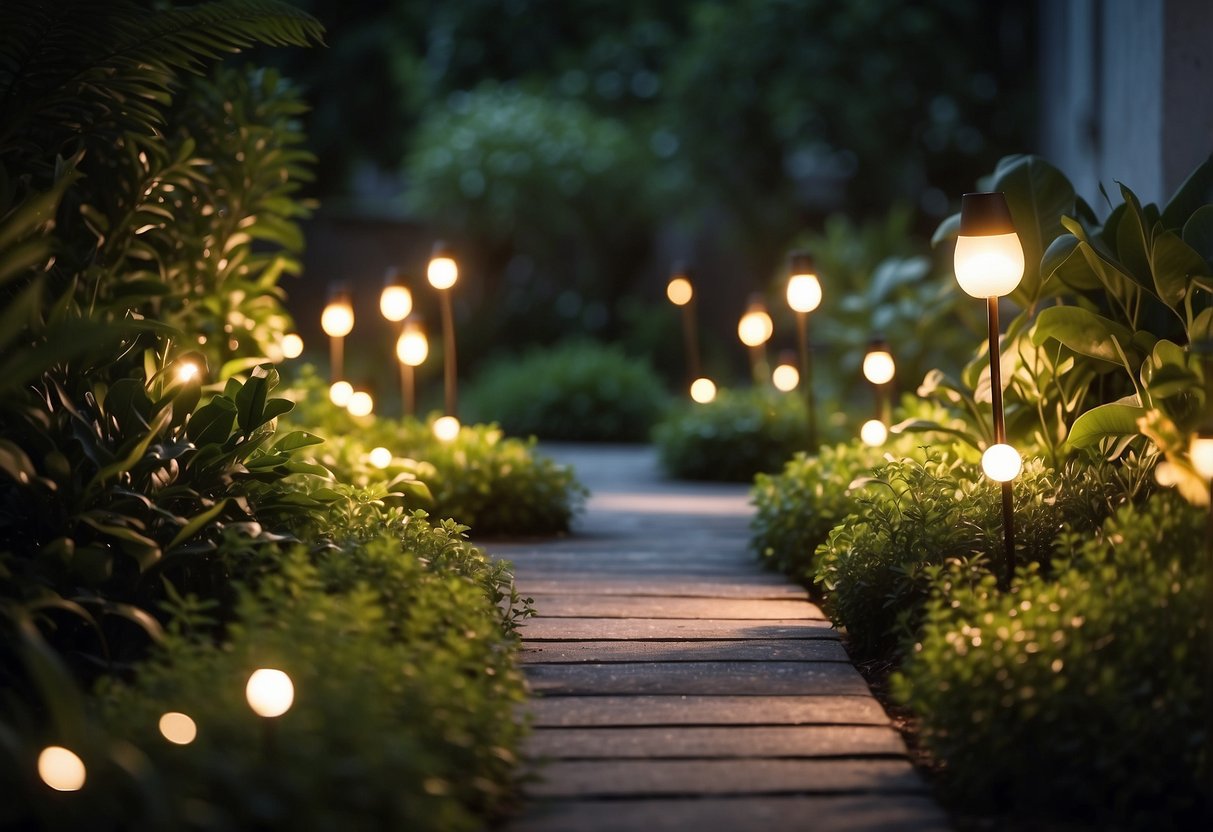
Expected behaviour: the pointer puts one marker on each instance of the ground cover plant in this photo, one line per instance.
(573, 391)
(163, 530)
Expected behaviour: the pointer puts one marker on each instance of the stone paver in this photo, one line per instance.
(680, 687)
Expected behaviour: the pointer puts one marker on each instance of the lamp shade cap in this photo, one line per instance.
(985, 215)
(801, 262)
(442, 249)
(393, 277)
(877, 343)
(681, 268)
(339, 292)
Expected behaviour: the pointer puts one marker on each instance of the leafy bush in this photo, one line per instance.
(494, 484)
(1078, 694)
(734, 437)
(577, 391)
(875, 567)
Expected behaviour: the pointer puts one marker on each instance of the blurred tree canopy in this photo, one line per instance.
(756, 118)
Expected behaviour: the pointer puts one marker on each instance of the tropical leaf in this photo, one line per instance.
(1104, 421)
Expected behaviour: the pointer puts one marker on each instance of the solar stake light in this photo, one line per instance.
(681, 293)
(785, 376)
(879, 369)
(360, 403)
(804, 296)
(337, 321)
(412, 348)
(380, 457)
(178, 728)
(269, 692)
(873, 432)
(1001, 463)
(292, 345)
(446, 428)
(442, 273)
(340, 393)
(755, 329)
(989, 264)
(395, 301)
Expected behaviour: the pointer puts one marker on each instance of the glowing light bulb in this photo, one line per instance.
(61, 769)
(269, 692)
(804, 292)
(446, 428)
(989, 258)
(442, 272)
(337, 319)
(1165, 474)
(1001, 463)
(755, 327)
(340, 393)
(178, 728)
(785, 377)
(873, 432)
(1201, 454)
(412, 347)
(380, 457)
(292, 345)
(878, 366)
(360, 404)
(396, 302)
(703, 390)
(679, 291)
(187, 371)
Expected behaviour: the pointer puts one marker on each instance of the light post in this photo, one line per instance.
(337, 321)
(270, 693)
(681, 293)
(442, 273)
(755, 329)
(989, 264)
(412, 348)
(395, 301)
(879, 369)
(804, 296)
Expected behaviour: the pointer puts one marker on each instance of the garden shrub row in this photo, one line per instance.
(1076, 694)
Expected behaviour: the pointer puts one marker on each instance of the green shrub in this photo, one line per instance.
(734, 437)
(1078, 694)
(577, 391)
(876, 565)
(494, 484)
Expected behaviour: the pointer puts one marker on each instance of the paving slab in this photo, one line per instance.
(680, 742)
(694, 678)
(623, 778)
(887, 813)
(642, 710)
(749, 650)
(613, 629)
(622, 606)
(761, 587)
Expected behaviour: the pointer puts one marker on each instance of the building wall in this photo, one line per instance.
(1127, 92)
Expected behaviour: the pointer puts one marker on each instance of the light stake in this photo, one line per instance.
(412, 348)
(989, 263)
(755, 329)
(785, 376)
(395, 301)
(681, 292)
(442, 273)
(270, 693)
(879, 369)
(703, 390)
(337, 321)
(804, 296)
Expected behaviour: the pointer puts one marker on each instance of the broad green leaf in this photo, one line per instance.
(295, 440)
(250, 403)
(1063, 261)
(1196, 190)
(212, 423)
(1175, 264)
(928, 426)
(1133, 238)
(1039, 195)
(947, 230)
(1198, 232)
(1084, 332)
(1107, 420)
(196, 524)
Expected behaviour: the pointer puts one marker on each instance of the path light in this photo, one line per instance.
(380, 457)
(681, 293)
(442, 273)
(292, 345)
(340, 393)
(879, 369)
(188, 371)
(1001, 463)
(412, 348)
(755, 329)
(269, 692)
(395, 301)
(804, 296)
(360, 403)
(61, 769)
(873, 432)
(178, 728)
(989, 264)
(703, 390)
(337, 321)
(446, 428)
(785, 376)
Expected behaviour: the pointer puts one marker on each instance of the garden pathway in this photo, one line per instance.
(681, 687)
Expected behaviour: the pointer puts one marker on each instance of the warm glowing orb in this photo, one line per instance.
(679, 291)
(187, 371)
(337, 319)
(446, 428)
(873, 432)
(703, 390)
(178, 728)
(878, 367)
(804, 292)
(785, 378)
(989, 266)
(396, 302)
(412, 347)
(292, 345)
(340, 393)
(61, 769)
(1201, 454)
(1001, 463)
(442, 272)
(360, 404)
(755, 328)
(269, 692)
(380, 457)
